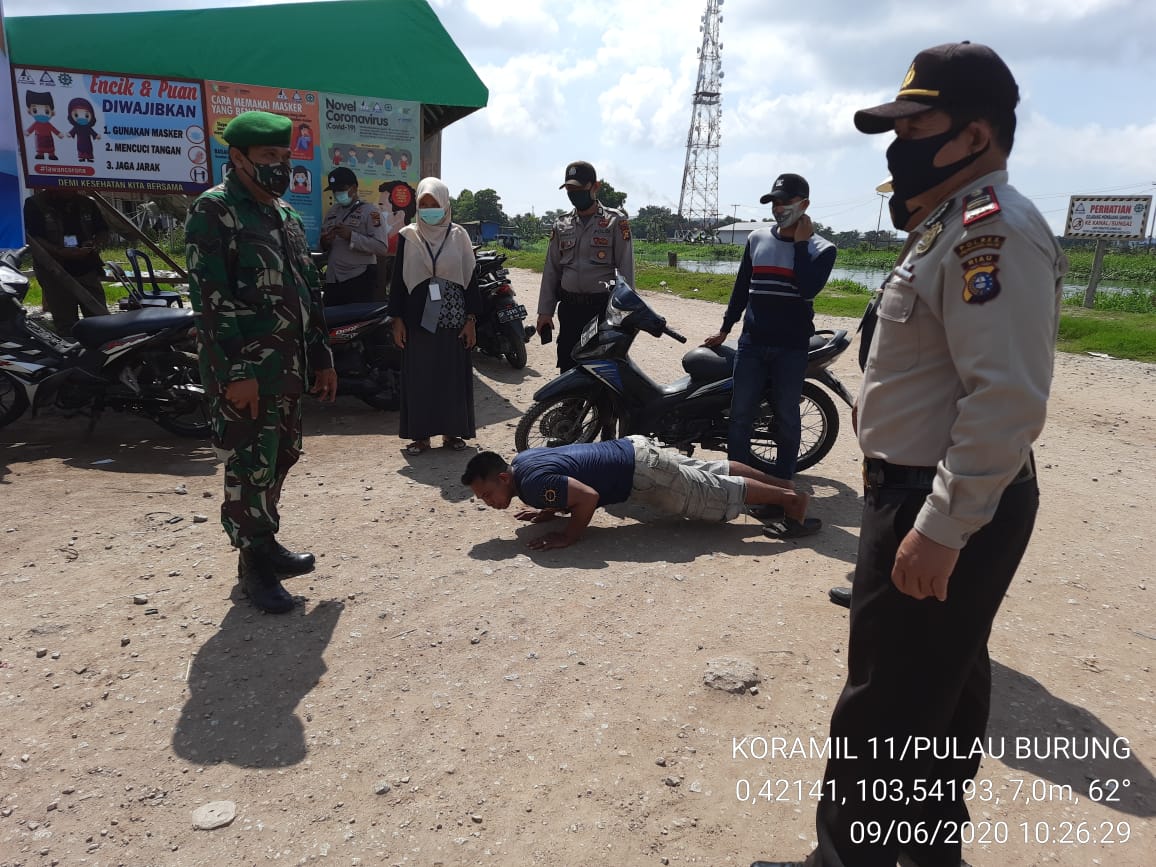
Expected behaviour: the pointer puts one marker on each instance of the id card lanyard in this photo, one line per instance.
(435, 287)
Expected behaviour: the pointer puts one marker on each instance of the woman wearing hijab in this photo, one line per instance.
(434, 302)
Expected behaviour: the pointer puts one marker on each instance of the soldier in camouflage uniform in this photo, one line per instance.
(260, 329)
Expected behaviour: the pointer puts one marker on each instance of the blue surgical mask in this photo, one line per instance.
(343, 198)
(42, 118)
(433, 216)
(82, 121)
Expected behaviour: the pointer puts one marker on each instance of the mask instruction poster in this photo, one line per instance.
(11, 222)
(226, 100)
(104, 130)
(378, 139)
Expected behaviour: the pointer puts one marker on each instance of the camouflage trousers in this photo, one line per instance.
(257, 453)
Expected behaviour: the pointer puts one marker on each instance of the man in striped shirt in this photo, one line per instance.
(784, 267)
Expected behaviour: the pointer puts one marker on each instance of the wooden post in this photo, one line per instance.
(126, 226)
(47, 263)
(1094, 280)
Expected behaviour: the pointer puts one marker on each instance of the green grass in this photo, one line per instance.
(113, 291)
(1123, 323)
(1123, 335)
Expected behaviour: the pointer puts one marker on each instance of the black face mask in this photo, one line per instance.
(580, 199)
(913, 171)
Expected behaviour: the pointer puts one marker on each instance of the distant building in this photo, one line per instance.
(737, 233)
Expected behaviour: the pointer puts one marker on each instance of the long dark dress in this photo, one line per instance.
(437, 373)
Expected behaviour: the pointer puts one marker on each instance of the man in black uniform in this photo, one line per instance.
(954, 394)
(71, 229)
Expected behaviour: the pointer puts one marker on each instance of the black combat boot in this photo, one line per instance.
(259, 581)
(286, 562)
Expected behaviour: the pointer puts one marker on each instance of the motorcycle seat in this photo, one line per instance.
(344, 314)
(95, 331)
(704, 363)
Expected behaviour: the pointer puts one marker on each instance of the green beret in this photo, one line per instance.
(257, 128)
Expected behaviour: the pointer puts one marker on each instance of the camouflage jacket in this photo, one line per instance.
(255, 291)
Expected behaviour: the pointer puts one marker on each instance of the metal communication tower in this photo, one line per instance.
(698, 203)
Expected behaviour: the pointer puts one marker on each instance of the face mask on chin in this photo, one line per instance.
(913, 170)
(580, 199)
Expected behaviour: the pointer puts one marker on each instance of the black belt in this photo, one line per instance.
(878, 474)
(584, 297)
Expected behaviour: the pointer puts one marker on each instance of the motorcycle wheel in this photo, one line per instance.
(13, 400)
(516, 335)
(182, 407)
(560, 421)
(820, 428)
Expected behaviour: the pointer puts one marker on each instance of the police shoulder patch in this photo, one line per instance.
(979, 242)
(981, 278)
(375, 218)
(624, 226)
(979, 205)
(550, 495)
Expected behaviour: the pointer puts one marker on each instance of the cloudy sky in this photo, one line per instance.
(610, 81)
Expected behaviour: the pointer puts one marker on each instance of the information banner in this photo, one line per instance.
(11, 208)
(1119, 218)
(226, 100)
(379, 139)
(107, 131)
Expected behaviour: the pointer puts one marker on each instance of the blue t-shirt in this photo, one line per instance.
(607, 467)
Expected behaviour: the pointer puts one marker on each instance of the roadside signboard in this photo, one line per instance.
(11, 213)
(1108, 218)
(108, 131)
(226, 100)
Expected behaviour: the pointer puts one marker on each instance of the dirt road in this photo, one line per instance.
(445, 697)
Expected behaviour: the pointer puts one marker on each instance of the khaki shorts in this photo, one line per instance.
(677, 485)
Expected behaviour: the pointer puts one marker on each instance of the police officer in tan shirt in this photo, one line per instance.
(954, 394)
(355, 233)
(588, 247)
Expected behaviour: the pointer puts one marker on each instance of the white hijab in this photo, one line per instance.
(450, 243)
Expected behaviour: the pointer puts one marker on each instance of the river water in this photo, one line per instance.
(869, 278)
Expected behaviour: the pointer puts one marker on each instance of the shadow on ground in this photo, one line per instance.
(120, 444)
(245, 683)
(1022, 707)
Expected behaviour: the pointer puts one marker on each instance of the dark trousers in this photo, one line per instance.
(573, 314)
(258, 454)
(776, 372)
(915, 668)
(62, 304)
(356, 290)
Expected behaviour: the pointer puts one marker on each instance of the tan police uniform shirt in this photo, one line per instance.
(369, 239)
(584, 254)
(959, 371)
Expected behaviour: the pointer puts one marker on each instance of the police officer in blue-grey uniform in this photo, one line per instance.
(589, 247)
(355, 233)
(954, 393)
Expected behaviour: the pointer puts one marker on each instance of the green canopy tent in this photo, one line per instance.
(317, 46)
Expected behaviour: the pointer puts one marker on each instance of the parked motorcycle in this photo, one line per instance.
(367, 361)
(607, 389)
(143, 362)
(500, 331)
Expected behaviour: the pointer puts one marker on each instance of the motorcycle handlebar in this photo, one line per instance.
(666, 329)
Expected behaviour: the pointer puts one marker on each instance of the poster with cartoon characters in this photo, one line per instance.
(226, 100)
(107, 131)
(11, 215)
(378, 139)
